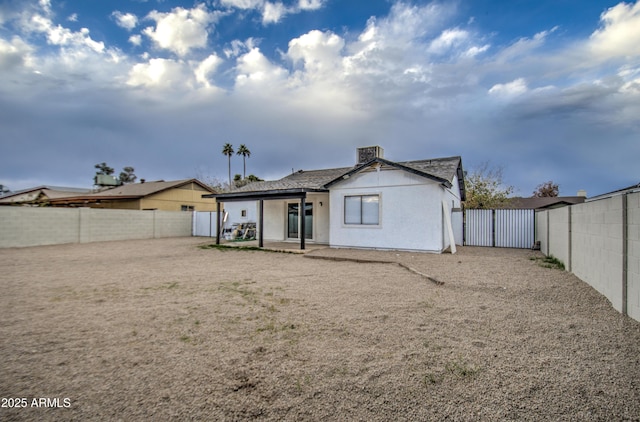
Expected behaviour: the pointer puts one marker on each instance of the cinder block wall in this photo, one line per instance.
(172, 224)
(589, 239)
(597, 246)
(633, 256)
(542, 218)
(559, 235)
(24, 226)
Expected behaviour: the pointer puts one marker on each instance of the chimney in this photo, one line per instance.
(582, 193)
(365, 154)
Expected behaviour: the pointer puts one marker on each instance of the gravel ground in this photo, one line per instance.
(164, 330)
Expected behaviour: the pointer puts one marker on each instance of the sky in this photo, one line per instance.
(544, 89)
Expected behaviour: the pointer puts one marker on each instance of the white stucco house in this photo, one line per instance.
(377, 203)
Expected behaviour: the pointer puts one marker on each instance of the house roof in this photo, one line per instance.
(33, 194)
(302, 179)
(630, 189)
(296, 184)
(132, 191)
(544, 202)
(440, 170)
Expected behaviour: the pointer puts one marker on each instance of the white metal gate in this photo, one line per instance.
(205, 223)
(510, 228)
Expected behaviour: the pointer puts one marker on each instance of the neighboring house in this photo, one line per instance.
(40, 196)
(542, 203)
(178, 195)
(623, 191)
(376, 204)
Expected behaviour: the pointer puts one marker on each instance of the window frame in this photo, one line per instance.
(361, 219)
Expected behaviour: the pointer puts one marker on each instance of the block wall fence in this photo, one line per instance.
(599, 242)
(26, 226)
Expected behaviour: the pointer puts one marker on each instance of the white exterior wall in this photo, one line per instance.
(410, 212)
(321, 231)
(452, 196)
(235, 212)
(596, 239)
(633, 256)
(275, 216)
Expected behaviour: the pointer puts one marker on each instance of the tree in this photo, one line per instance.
(244, 151)
(484, 188)
(227, 150)
(239, 182)
(102, 168)
(4, 190)
(546, 189)
(252, 178)
(127, 176)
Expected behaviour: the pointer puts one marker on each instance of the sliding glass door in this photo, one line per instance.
(293, 220)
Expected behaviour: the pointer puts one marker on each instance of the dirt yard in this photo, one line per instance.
(164, 330)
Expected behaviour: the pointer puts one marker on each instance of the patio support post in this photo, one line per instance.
(302, 215)
(218, 222)
(261, 223)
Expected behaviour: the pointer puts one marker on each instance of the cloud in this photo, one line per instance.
(524, 47)
(448, 39)
(416, 76)
(58, 35)
(317, 51)
(242, 4)
(273, 12)
(135, 39)
(181, 30)
(15, 54)
(127, 21)
(510, 89)
(158, 73)
(207, 67)
(619, 35)
(310, 4)
(254, 69)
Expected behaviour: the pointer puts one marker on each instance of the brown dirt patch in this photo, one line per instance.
(163, 330)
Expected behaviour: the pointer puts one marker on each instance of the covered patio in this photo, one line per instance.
(294, 194)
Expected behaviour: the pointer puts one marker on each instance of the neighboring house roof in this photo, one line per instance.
(131, 191)
(544, 202)
(441, 170)
(630, 189)
(40, 194)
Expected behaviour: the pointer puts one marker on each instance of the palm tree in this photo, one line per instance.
(244, 151)
(227, 150)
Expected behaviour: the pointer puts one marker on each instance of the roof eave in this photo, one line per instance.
(92, 199)
(267, 194)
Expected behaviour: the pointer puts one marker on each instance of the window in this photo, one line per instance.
(243, 213)
(362, 209)
(187, 208)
